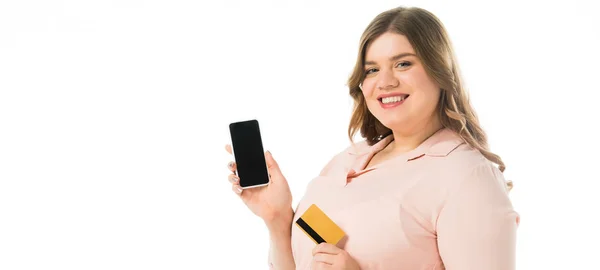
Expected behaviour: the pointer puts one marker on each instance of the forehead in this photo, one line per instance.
(386, 46)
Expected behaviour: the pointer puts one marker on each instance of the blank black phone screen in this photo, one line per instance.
(248, 153)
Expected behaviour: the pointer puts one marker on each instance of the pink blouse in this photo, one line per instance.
(439, 206)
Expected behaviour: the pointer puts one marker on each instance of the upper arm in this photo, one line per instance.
(477, 225)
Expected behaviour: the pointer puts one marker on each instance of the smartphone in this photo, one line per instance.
(246, 142)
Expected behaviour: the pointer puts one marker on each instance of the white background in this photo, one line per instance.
(114, 116)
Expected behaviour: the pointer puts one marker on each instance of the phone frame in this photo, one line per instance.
(233, 153)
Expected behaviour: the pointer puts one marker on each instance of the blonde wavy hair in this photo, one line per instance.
(433, 47)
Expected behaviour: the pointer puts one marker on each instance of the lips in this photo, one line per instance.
(394, 94)
(392, 100)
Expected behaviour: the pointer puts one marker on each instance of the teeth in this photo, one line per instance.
(392, 99)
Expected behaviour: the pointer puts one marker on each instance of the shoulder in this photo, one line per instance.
(455, 162)
(460, 175)
(447, 151)
(477, 188)
(463, 158)
(466, 166)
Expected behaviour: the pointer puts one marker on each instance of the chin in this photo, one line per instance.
(394, 124)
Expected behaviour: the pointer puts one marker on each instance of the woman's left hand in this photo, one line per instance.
(328, 256)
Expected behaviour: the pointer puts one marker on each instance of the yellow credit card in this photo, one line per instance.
(319, 227)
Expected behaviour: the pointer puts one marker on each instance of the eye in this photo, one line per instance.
(403, 64)
(371, 70)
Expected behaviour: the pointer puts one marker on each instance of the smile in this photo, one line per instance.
(392, 101)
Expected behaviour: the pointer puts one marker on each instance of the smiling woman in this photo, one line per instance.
(411, 46)
(422, 191)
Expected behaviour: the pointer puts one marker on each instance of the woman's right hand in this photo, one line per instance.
(273, 202)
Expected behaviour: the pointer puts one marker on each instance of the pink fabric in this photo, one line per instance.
(439, 206)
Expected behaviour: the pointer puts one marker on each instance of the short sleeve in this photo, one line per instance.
(476, 228)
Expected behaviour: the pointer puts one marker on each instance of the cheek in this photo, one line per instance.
(429, 92)
(432, 94)
(368, 87)
(425, 101)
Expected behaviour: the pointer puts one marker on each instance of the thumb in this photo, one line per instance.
(272, 164)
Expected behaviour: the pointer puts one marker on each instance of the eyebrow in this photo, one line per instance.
(393, 58)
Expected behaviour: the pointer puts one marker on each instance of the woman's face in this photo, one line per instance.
(397, 90)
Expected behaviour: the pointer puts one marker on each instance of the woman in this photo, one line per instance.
(421, 191)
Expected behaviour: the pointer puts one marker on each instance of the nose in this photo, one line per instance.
(387, 80)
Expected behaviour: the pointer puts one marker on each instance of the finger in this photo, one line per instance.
(232, 166)
(324, 258)
(234, 179)
(320, 266)
(272, 164)
(237, 189)
(327, 249)
(228, 149)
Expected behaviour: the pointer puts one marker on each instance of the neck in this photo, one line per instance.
(407, 140)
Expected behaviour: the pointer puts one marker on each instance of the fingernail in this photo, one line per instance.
(236, 179)
(230, 164)
(239, 190)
